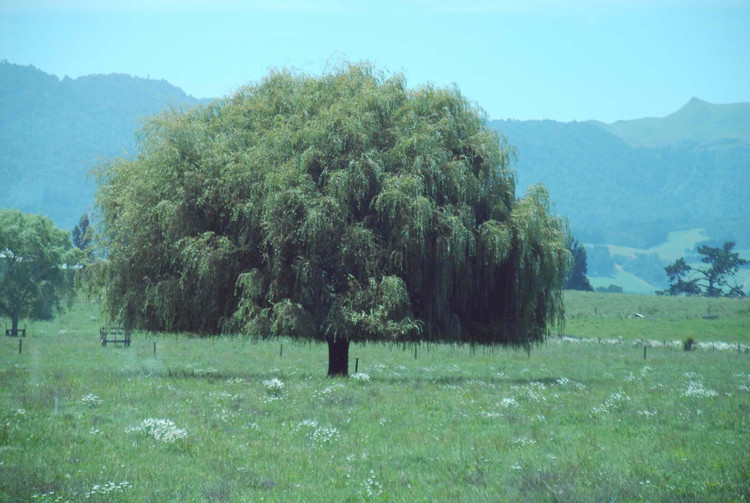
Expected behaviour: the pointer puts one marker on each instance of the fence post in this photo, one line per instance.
(154, 349)
(20, 345)
(644, 352)
(415, 351)
(356, 365)
(281, 351)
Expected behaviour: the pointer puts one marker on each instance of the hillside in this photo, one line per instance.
(698, 123)
(617, 193)
(53, 131)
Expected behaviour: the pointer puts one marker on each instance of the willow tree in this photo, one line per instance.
(338, 208)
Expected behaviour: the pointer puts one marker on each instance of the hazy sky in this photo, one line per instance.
(549, 59)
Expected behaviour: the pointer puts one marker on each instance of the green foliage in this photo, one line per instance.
(577, 279)
(36, 266)
(716, 280)
(688, 343)
(345, 206)
(81, 235)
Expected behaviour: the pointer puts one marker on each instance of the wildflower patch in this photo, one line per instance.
(614, 402)
(316, 434)
(91, 400)
(696, 389)
(274, 387)
(163, 430)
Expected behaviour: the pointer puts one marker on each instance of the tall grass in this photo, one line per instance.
(230, 420)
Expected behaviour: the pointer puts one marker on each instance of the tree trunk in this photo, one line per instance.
(338, 357)
(14, 325)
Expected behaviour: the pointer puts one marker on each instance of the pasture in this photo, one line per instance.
(231, 420)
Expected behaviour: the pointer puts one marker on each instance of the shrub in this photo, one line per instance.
(688, 343)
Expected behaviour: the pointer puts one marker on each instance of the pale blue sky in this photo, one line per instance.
(549, 59)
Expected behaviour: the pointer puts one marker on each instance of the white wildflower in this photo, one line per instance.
(695, 388)
(108, 488)
(490, 415)
(614, 401)
(361, 377)
(508, 402)
(371, 485)
(327, 392)
(274, 386)
(91, 400)
(324, 435)
(307, 423)
(524, 441)
(163, 430)
(317, 434)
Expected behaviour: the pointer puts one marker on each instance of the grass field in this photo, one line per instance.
(665, 319)
(229, 420)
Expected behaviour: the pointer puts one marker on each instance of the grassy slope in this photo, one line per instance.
(570, 422)
(677, 245)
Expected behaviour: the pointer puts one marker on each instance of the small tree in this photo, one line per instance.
(81, 235)
(35, 257)
(716, 280)
(341, 208)
(577, 279)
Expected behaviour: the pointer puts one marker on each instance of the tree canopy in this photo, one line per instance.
(338, 208)
(34, 279)
(716, 280)
(577, 279)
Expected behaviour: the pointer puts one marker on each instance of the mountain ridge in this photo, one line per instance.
(698, 122)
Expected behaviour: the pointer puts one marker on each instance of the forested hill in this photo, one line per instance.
(615, 192)
(53, 131)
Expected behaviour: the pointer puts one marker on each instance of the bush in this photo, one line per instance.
(688, 343)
